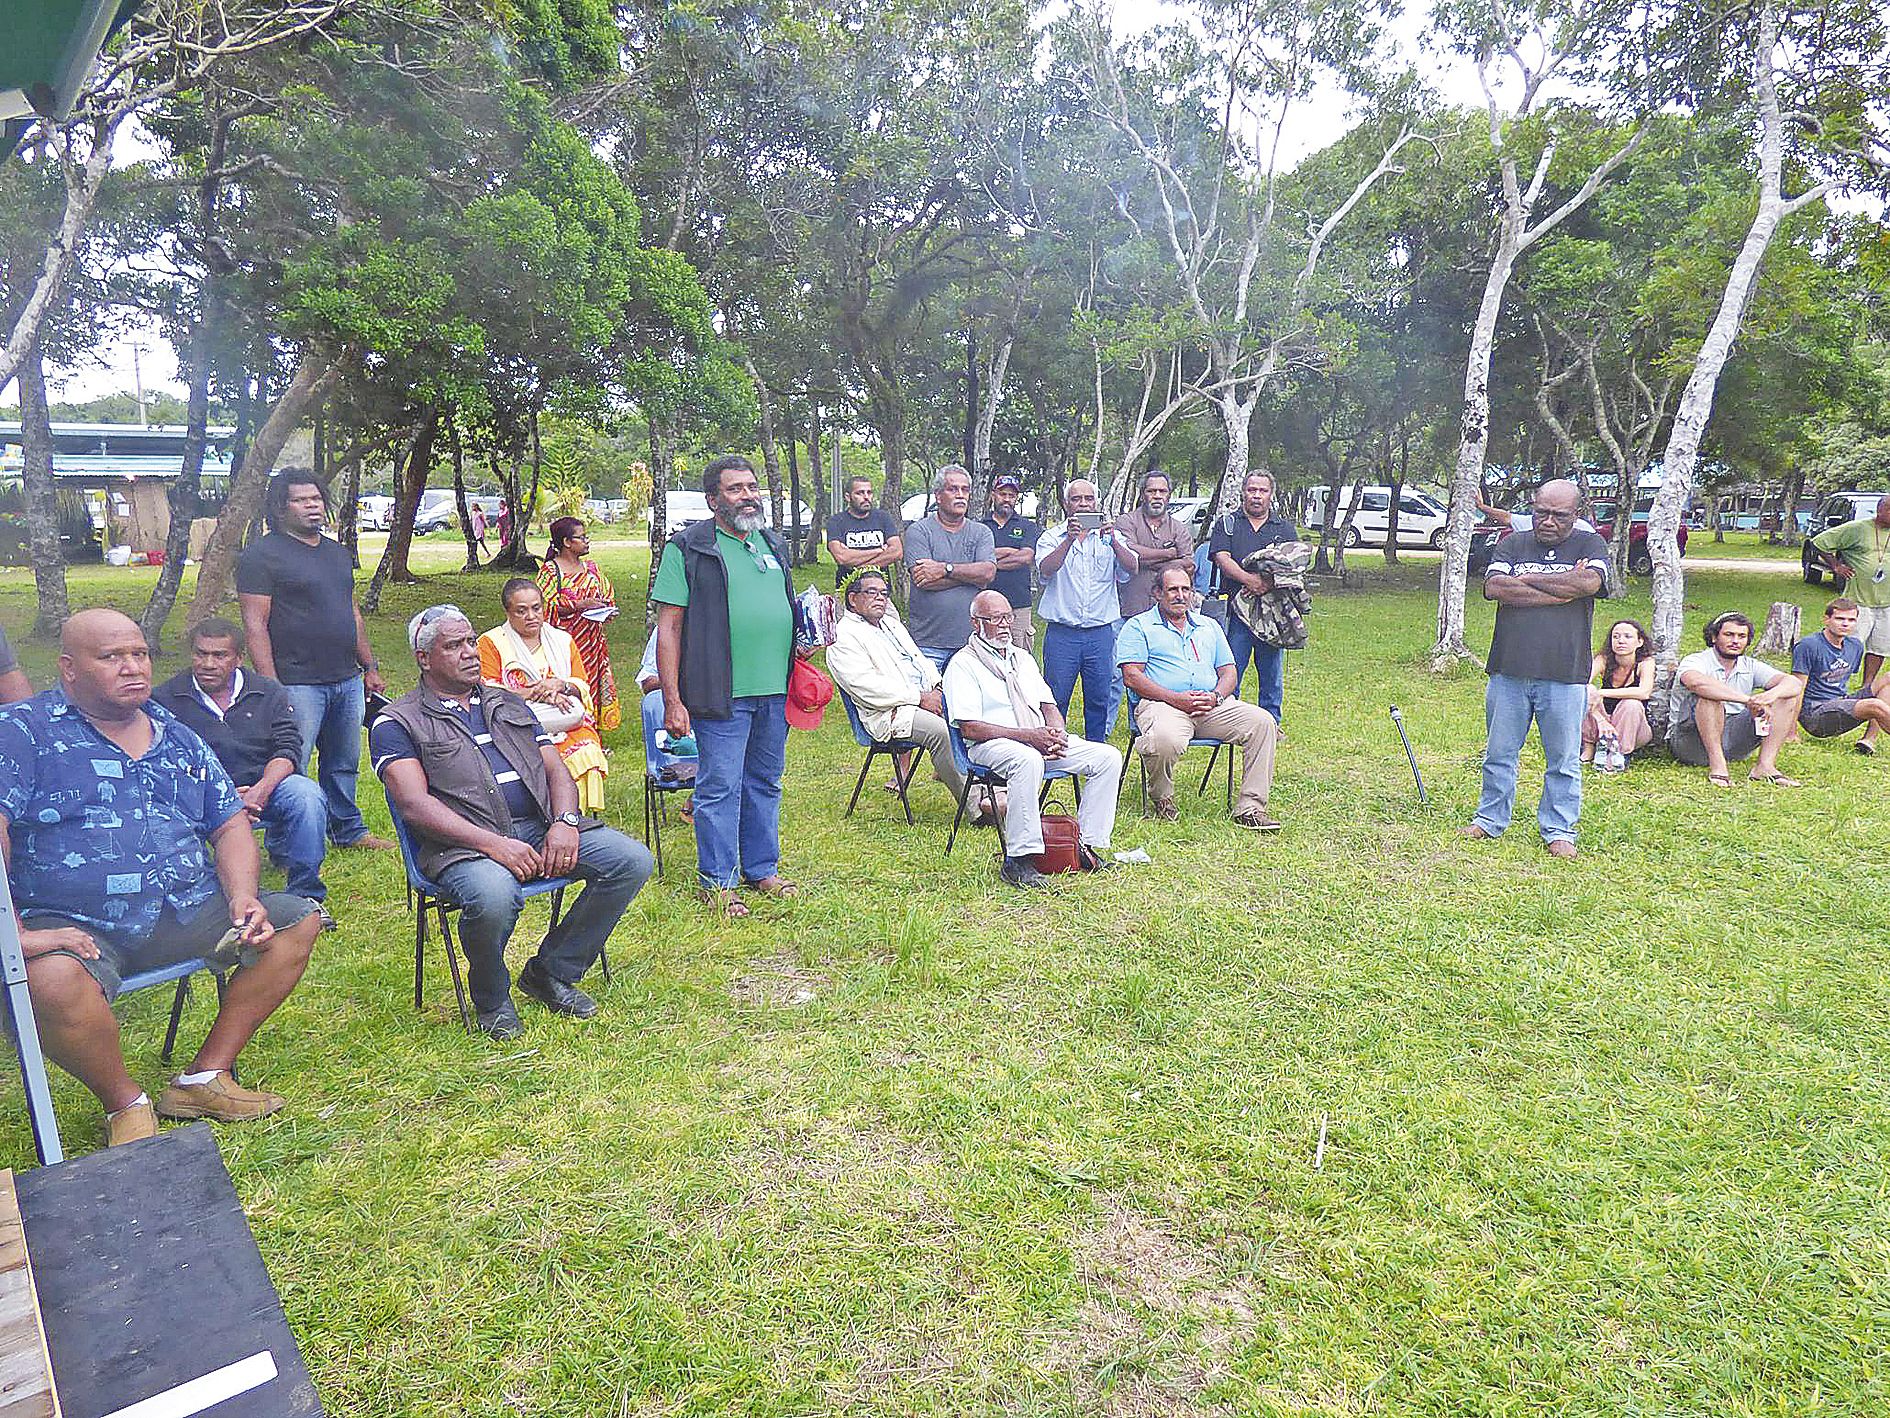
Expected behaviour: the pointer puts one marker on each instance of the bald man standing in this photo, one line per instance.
(107, 804)
(1544, 582)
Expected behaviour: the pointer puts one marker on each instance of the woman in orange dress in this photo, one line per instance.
(578, 601)
(540, 664)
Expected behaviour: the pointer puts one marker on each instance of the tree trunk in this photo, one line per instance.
(530, 510)
(662, 470)
(804, 539)
(314, 374)
(1236, 422)
(184, 495)
(1396, 482)
(988, 406)
(1682, 455)
(1788, 513)
(1474, 442)
(888, 411)
(1782, 629)
(971, 408)
(458, 452)
(348, 523)
(408, 487)
(770, 448)
(41, 497)
(823, 485)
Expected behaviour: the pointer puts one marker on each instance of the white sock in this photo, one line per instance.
(187, 1080)
(143, 1100)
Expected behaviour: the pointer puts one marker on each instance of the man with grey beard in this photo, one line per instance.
(724, 642)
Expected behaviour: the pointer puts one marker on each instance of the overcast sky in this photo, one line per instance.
(1318, 124)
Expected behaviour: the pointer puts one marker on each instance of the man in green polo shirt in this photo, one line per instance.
(1858, 554)
(724, 640)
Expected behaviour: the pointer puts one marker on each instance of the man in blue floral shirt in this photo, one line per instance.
(107, 806)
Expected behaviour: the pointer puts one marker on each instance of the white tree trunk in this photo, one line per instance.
(1682, 457)
(1237, 421)
(1467, 480)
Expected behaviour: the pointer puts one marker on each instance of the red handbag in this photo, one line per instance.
(1062, 845)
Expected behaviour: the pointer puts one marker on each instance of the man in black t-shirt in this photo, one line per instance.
(862, 536)
(1236, 537)
(296, 588)
(1015, 537)
(1544, 582)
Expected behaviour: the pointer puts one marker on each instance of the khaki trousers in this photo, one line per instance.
(1163, 732)
(1023, 628)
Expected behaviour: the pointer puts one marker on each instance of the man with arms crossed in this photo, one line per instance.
(1823, 665)
(1544, 582)
(950, 559)
(1157, 538)
(1014, 538)
(1726, 704)
(107, 804)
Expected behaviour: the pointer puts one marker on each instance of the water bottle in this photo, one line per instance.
(684, 747)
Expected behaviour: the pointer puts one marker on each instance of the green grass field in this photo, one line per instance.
(1600, 1138)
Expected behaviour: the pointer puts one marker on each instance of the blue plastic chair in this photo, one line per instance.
(181, 972)
(656, 787)
(431, 896)
(892, 748)
(1142, 768)
(989, 780)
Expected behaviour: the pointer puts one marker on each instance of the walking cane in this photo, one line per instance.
(1397, 717)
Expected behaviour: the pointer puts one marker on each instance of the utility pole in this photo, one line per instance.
(137, 379)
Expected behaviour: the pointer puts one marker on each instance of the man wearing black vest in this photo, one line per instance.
(724, 642)
(491, 806)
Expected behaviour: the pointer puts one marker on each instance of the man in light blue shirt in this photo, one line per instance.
(1180, 669)
(1080, 564)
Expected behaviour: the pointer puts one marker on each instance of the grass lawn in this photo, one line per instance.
(1600, 1138)
(1739, 546)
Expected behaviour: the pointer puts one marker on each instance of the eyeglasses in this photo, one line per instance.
(991, 619)
(1544, 516)
(872, 593)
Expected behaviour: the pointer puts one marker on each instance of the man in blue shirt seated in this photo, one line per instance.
(107, 803)
(491, 806)
(1181, 669)
(1824, 663)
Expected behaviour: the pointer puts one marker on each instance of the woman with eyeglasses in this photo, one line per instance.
(893, 687)
(579, 601)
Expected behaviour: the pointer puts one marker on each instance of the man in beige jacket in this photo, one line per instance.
(892, 684)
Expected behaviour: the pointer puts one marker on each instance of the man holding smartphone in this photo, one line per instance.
(1081, 564)
(107, 806)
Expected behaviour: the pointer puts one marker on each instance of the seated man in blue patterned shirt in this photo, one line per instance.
(107, 803)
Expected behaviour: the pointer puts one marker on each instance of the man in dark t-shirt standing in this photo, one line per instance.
(1014, 538)
(296, 588)
(1544, 582)
(862, 536)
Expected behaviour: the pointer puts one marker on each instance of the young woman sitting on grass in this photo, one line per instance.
(1616, 724)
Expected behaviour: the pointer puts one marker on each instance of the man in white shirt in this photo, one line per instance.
(1080, 564)
(892, 684)
(1726, 704)
(1000, 703)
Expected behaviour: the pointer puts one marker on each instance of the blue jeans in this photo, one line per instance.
(295, 834)
(939, 655)
(613, 868)
(1088, 651)
(329, 716)
(738, 791)
(1269, 665)
(1558, 709)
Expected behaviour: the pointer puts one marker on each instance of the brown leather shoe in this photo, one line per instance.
(1257, 821)
(222, 1100)
(370, 843)
(1163, 809)
(130, 1124)
(1475, 833)
(1561, 847)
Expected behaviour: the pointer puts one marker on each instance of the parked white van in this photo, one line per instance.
(1421, 517)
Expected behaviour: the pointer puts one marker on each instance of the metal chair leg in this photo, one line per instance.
(1230, 778)
(904, 781)
(860, 782)
(420, 953)
(223, 986)
(1214, 758)
(653, 821)
(177, 1017)
(452, 959)
(557, 906)
(957, 817)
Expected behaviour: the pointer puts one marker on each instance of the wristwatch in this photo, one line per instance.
(569, 819)
(951, 569)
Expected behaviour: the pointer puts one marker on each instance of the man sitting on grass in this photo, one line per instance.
(1726, 704)
(491, 806)
(106, 805)
(1010, 722)
(1823, 665)
(247, 720)
(1181, 669)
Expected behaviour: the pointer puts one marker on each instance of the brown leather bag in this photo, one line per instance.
(1062, 845)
